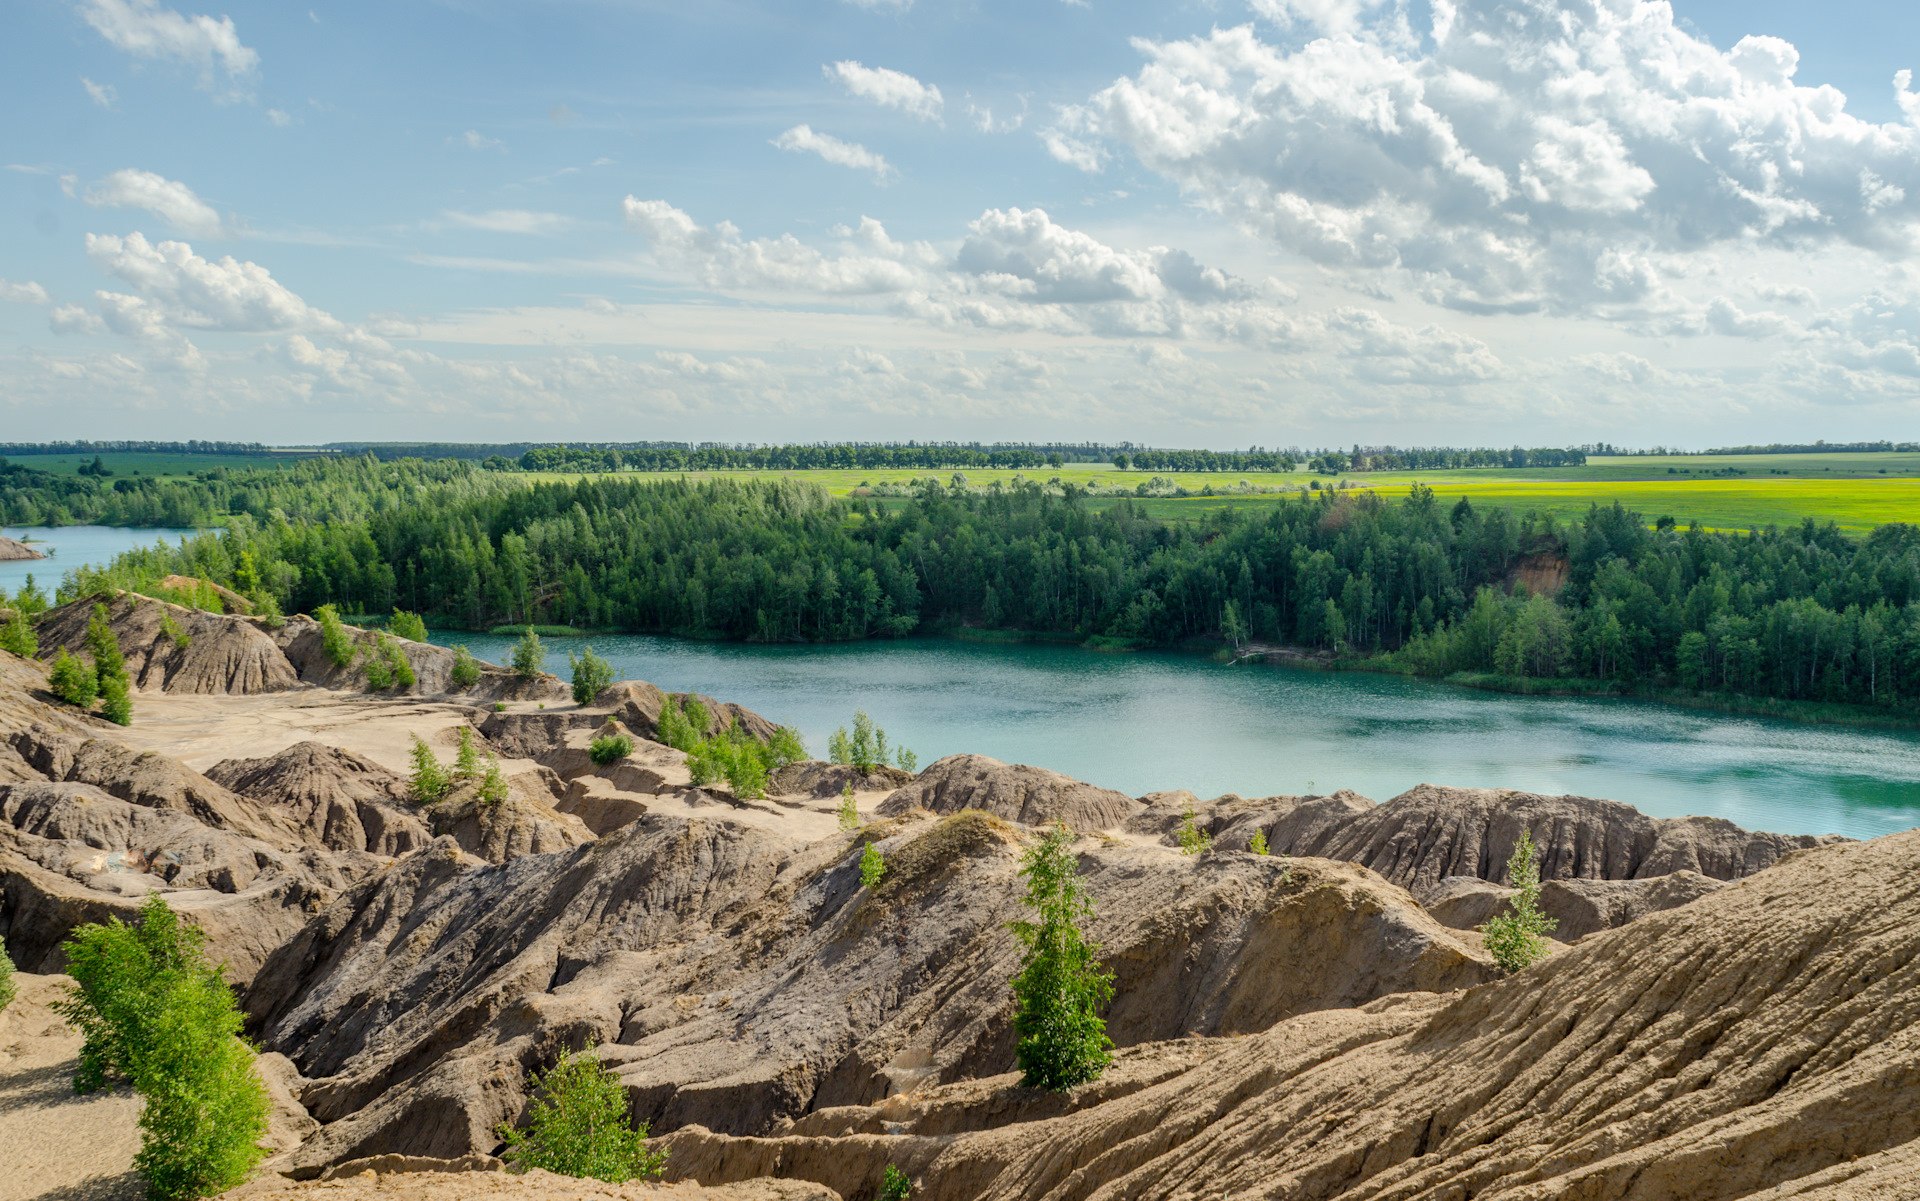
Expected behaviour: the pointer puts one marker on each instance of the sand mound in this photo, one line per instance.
(1766, 1035)
(342, 801)
(749, 978)
(230, 601)
(13, 550)
(1032, 796)
(813, 778)
(213, 653)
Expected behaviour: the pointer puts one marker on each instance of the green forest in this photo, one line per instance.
(1412, 585)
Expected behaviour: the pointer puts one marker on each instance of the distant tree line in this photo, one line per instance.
(1818, 448)
(1802, 614)
(124, 447)
(302, 491)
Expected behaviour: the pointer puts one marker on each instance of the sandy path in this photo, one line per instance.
(55, 1144)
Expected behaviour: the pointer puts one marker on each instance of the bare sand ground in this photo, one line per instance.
(55, 1144)
(200, 731)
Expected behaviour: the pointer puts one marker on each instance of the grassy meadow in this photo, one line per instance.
(1848, 490)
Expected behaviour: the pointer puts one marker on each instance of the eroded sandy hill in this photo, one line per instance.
(1734, 1017)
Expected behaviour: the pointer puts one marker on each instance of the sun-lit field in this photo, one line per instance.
(1856, 506)
(1845, 489)
(143, 463)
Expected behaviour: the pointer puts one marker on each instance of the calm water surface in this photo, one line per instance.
(1141, 722)
(72, 546)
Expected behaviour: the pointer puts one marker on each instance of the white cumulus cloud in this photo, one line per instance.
(888, 88)
(103, 93)
(170, 200)
(802, 139)
(24, 293)
(144, 29)
(1513, 155)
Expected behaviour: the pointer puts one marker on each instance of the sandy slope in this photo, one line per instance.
(53, 1144)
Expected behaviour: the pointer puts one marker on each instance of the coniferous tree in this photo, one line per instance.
(1061, 988)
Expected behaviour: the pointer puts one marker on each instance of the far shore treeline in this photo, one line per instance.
(1409, 584)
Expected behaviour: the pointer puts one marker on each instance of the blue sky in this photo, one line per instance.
(1247, 222)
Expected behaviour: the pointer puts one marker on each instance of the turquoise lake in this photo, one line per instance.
(1146, 721)
(71, 546)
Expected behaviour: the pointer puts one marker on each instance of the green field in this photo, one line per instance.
(142, 463)
(1847, 490)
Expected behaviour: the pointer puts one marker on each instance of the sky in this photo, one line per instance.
(1220, 224)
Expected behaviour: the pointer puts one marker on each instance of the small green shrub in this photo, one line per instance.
(577, 1125)
(528, 655)
(786, 747)
(465, 672)
(745, 765)
(682, 725)
(466, 758)
(7, 986)
(894, 1185)
(171, 628)
(334, 638)
(30, 600)
(1258, 843)
(266, 607)
(387, 666)
(865, 748)
(408, 625)
(116, 703)
(1193, 840)
(73, 680)
(849, 812)
(499, 706)
(493, 785)
(610, 749)
(1060, 989)
(151, 1008)
(429, 781)
(872, 867)
(17, 636)
(708, 761)
(591, 676)
(1514, 939)
(205, 1108)
(908, 761)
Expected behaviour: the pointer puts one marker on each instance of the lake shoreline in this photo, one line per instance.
(1816, 713)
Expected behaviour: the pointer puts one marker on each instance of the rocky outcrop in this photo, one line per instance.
(637, 705)
(1758, 1041)
(1032, 796)
(13, 550)
(1429, 833)
(72, 854)
(525, 823)
(340, 800)
(748, 978)
(1578, 907)
(169, 648)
